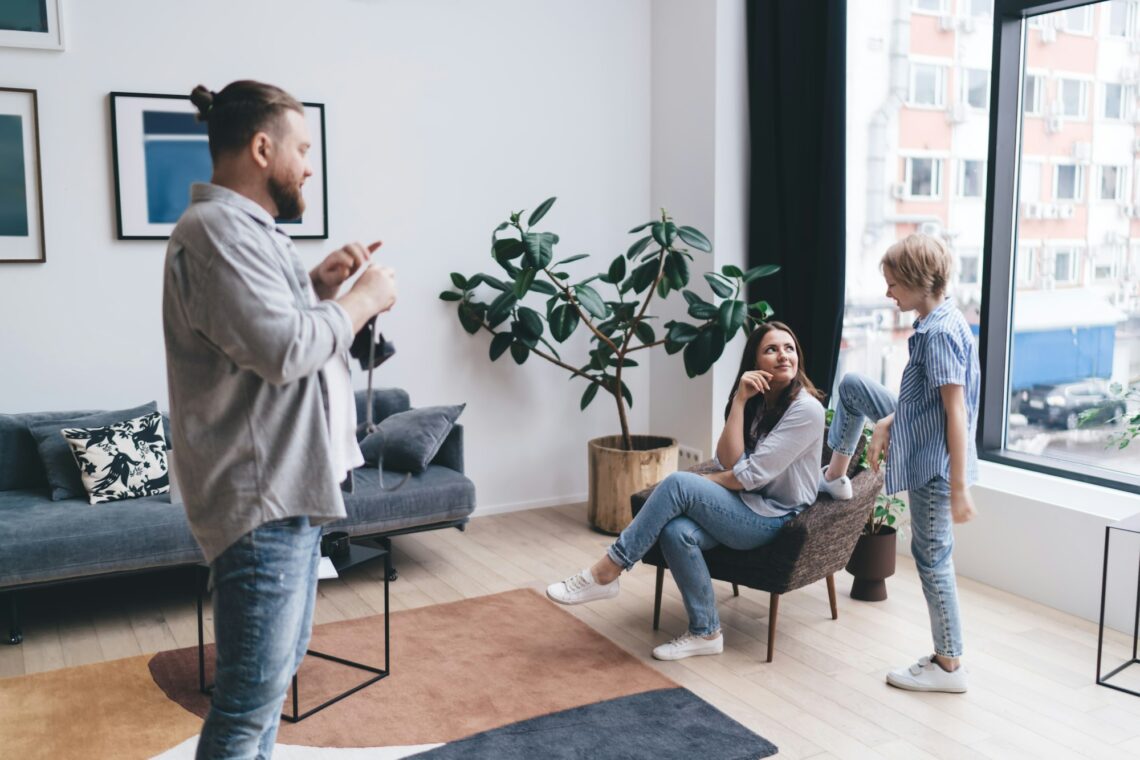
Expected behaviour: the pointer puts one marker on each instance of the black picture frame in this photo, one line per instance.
(22, 238)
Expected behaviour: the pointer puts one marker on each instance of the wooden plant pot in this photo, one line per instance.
(615, 475)
(872, 562)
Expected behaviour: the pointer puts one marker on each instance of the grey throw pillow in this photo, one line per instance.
(55, 452)
(408, 441)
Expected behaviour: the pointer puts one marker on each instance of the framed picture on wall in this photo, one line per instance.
(31, 23)
(21, 196)
(160, 148)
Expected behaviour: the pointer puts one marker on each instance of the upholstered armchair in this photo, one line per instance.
(811, 547)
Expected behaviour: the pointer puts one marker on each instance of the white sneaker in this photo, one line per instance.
(840, 488)
(688, 645)
(582, 588)
(927, 675)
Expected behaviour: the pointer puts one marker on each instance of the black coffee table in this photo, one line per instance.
(360, 551)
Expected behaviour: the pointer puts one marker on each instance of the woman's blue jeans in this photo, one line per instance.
(690, 514)
(932, 530)
(264, 588)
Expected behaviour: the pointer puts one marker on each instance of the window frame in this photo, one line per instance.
(940, 69)
(1078, 182)
(1083, 81)
(1124, 111)
(1129, 20)
(1038, 93)
(962, 178)
(1088, 14)
(1011, 30)
(964, 88)
(1121, 183)
(936, 172)
(943, 8)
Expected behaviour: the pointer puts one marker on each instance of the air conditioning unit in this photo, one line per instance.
(957, 113)
(1066, 211)
(1048, 34)
(1082, 151)
(1031, 210)
(1054, 124)
(946, 23)
(898, 190)
(933, 229)
(1048, 211)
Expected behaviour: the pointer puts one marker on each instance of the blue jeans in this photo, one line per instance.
(690, 514)
(264, 588)
(932, 534)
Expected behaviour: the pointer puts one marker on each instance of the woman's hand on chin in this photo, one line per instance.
(753, 383)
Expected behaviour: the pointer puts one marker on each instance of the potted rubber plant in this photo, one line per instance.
(532, 304)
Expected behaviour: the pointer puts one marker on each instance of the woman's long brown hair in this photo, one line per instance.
(758, 406)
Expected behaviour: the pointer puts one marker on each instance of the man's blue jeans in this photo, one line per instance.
(264, 588)
(690, 514)
(932, 530)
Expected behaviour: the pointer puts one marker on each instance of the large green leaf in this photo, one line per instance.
(644, 333)
(563, 320)
(731, 317)
(459, 280)
(450, 295)
(676, 270)
(703, 351)
(501, 308)
(544, 287)
(763, 309)
(681, 333)
(523, 282)
(670, 232)
(640, 227)
(643, 276)
(509, 248)
(495, 283)
(764, 270)
(588, 396)
(500, 343)
(658, 230)
(591, 301)
(540, 212)
(728, 270)
(531, 322)
(470, 317)
(617, 271)
(718, 285)
(699, 308)
(695, 238)
(539, 249)
(575, 257)
(638, 247)
(519, 352)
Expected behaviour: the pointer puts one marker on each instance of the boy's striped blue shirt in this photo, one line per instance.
(942, 352)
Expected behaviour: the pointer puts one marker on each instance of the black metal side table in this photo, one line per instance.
(1129, 525)
(365, 551)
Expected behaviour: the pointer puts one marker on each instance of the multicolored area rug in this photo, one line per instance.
(503, 676)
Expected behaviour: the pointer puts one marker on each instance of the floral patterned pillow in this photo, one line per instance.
(123, 460)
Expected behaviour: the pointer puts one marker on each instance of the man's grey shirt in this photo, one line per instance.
(244, 350)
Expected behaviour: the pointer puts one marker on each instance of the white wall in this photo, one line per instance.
(442, 116)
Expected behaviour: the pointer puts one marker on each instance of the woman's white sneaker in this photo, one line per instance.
(840, 488)
(688, 645)
(582, 588)
(927, 675)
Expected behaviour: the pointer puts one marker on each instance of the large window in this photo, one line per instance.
(1061, 347)
(927, 85)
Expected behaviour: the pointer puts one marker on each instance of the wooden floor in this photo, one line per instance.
(1031, 688)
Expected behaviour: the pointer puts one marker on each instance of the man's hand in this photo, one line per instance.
(962, 507)
(379, 284)
(880, 442)
(338, 266)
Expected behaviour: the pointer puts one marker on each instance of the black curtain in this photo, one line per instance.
(797, 56)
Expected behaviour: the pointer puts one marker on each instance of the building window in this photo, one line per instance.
(976, 88)
(981, 7)
(1073, 95)
(1111, 183)
(1068, 182)
(927, 85)
(1026, 265)
(1032, 94)
(924, 177)
(1064, 265)
(1121, 18)
(930, 6)
(968, 268)
(972, 180)
(1077, 20)
(1114, 101)
(1104, 265)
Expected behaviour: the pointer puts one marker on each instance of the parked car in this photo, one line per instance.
(1062, 405)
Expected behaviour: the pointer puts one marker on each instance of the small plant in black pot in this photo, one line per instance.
(873, 560)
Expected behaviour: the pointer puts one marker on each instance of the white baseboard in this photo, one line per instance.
(519, 506)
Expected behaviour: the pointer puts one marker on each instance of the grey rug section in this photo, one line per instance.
(663, 724)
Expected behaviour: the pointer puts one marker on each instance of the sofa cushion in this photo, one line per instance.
(55, 453)
(408, 441)
(436, 495)
(123, 460)
(20, 465)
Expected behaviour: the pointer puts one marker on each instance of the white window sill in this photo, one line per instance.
(1083, 498)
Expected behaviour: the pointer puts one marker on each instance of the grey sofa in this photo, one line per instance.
(46, 542)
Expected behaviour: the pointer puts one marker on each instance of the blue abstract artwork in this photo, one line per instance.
(177, 154)
(13, 190)
(24, 15)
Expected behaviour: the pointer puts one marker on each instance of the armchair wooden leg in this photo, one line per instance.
(657, 598)
(831, 596)
(773, 608)
(735, 590)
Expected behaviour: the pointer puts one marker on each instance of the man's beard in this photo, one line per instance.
(288, 199)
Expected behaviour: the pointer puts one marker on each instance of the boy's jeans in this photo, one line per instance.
(932, 530)
(691, 514)
(264, 590)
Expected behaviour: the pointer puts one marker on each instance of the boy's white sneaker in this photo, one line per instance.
(840, 488)
(582, 588)
(928, 675)
(688, 645)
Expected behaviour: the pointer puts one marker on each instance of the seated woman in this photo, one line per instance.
(773, 442)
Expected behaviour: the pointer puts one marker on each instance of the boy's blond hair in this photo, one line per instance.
(919, 261)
